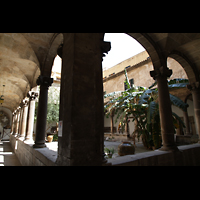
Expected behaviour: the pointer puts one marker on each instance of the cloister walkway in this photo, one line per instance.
(7, 156)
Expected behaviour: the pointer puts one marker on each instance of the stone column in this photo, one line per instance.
(13, 122)
(166, 120)
(31, 112)
(44, 83)
(195, 90)
(20, 119)
(17, 122)
(24, 119)
(81, 100)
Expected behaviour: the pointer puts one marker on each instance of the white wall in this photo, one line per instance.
(190, 110)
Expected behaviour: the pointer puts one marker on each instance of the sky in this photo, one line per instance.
(122, 47)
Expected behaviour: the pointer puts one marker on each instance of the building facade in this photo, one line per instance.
(138, 68)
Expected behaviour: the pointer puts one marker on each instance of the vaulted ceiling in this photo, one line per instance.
(24, 55)
(20, 58)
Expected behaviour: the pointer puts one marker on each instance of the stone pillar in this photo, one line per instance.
(24, 119)
(20, 119)
(81, 100)
(44, 83)
(13, 122)
(17, 121)
(31, 112)
(166, 120)
(195, 90)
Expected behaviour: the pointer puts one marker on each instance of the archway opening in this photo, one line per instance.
(126, 52)
(54, 100)
(182, 72)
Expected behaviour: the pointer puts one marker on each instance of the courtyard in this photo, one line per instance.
(15, 150)
(26, 65)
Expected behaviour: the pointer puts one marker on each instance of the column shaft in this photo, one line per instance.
(29, 134)
(166, 120)
(17, 122)
(44, 83)
(24, 119)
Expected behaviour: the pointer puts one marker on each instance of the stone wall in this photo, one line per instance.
(140, 72)
(28, 156)
(189, 155)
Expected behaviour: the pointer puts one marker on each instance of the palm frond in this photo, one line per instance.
(178, 102)
(179, 119)
(127, 80)
(177, 80)
(112, 94)
(154, 84)
(153, 106)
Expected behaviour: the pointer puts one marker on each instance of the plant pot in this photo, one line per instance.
(109, 155)
(126, 148)
(50, 138)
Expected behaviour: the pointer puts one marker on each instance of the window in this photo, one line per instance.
(131, 81)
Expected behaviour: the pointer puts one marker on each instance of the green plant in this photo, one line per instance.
(142, 105)
(55, 137)
(52, 106)
(109, 151)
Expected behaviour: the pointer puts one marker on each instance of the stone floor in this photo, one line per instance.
(139, 148)
(7, 157)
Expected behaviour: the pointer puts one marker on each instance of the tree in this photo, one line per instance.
(142, 105)
(52, 106)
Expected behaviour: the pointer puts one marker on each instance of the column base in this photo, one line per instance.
(29, 140)
(169, 148)
(39, 145)
(21, 138)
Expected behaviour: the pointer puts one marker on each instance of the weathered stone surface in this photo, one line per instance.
(81, 101)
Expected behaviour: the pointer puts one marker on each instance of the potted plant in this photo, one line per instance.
(109, 152)
(142, 105)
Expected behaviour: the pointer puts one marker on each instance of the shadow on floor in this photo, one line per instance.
(7, 156)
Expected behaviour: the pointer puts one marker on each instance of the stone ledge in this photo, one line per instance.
(188, 155)
(29, 156)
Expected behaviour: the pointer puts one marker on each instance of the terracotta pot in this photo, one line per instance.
(126, 148)
(50, 138)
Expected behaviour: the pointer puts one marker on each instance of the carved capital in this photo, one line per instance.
(25, 102)
(194, 86)
(32, 95)
(60, 50)
(162, 72)
(105, 48)
(44, 81)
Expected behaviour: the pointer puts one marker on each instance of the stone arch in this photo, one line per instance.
(152, 49)
(57, 39)
(189, 68)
